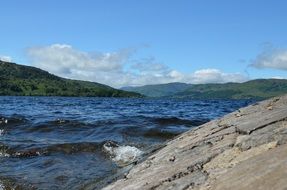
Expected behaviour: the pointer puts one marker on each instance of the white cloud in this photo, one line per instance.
(215, 76)
(117, 69)
(274, 58)
(278, 77)
(63, 59)
(5, 58)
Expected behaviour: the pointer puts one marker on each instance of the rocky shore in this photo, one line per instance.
(246, 149)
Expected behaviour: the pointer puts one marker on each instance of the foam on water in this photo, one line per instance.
(2, 187)
(122, 155)
(127, 154)
(3, 120)
(1, 132)
(4, 154)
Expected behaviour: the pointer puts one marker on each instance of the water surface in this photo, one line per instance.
(57, 142)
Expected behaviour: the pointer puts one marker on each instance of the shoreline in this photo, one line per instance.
(245, 149)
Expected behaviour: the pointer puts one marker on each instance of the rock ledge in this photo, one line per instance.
(246, 149)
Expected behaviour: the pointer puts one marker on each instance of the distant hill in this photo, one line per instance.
(20, 80)
(256, 89)
(159, 90)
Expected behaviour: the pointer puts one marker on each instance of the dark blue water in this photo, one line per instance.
(57, 142)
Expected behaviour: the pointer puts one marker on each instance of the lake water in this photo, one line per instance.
(84, 143)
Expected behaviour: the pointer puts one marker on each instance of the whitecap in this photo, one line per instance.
(122, 155)
(3, 120)
(4, 154)
(2, 187)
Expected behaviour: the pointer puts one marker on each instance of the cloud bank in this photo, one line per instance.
(118, 69)
(274, 58)
(5, 58)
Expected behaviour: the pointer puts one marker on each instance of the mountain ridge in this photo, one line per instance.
(22, 80)
(159, 90)
(253, 89)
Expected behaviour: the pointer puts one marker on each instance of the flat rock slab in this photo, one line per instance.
(244, 150)
(264, 171)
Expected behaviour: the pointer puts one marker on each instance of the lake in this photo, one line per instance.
(85, 143)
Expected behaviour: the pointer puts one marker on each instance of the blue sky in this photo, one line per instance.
(129, 42)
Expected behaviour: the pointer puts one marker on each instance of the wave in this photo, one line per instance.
(122, 155)
(77, 125)
(161, 127)
(12, 120)
(178, 121)
(4, 150)
(157, 133)
(67, 148)
(63, 125)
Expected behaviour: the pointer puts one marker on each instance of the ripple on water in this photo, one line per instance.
(62, 143)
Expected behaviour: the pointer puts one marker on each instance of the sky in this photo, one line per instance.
(132, 42)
